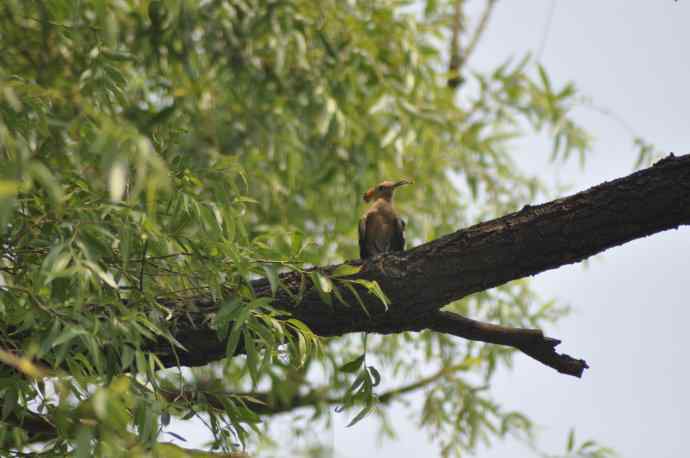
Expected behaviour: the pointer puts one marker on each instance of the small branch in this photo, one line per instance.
(456, 58)
(317, 396)
(481, 27)
(391, 394)
(531, 342)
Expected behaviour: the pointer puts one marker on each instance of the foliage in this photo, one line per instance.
(169, 149)
(587, 449)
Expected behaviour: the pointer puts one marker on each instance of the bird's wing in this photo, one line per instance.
(363, 253)
(398, 239)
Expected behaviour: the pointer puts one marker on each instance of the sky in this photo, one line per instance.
(630, 306)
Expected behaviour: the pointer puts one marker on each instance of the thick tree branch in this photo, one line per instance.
(422, 280)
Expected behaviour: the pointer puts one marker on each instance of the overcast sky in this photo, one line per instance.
(630, 306)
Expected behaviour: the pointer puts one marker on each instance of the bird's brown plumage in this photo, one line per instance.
(381, 229)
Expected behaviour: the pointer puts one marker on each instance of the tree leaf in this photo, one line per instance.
(376, 376)
(571, 441)
(354, 365)
(9, 402)
(272, 276)
(345, 270)
(362, 413)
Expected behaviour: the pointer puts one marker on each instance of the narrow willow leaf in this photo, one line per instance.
(571, 441)
(354, 365)
(252, 356)
(345, 270)
(375, 375)
(362, 413)
(374, 288)
(8, 188)
(323, 283)
(176, 436)
(83, 446)
(354, 292)
(9, 402)
(272, 276)
(43, 175)
(228, 312)
(324, 286)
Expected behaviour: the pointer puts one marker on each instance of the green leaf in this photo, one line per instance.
(345, 270)
(228, 312)
(237, 325)
(272, 276)
(233, 340)
(83, 443)
(354, 365)
(67, 335)
(142, 367)
(354, 292)
(322, 282)
(8, 188)
(340, 297)
(544, 78)
(374, 288)
(362, 413)
(252, 356)
(296, 243)
(571, 441)
(43, 176)
(100, 403)
(9, 402)
(376, 376)
(324, 286)
(301, 327)
(302, 348)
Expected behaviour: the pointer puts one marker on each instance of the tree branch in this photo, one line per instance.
(422, 280)
(481, 27)
(269, 404)
(456, 59)
(532, 342)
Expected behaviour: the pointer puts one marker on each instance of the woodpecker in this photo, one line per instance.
(381, 229)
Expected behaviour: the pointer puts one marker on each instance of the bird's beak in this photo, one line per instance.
(403, 182)
(367, 195)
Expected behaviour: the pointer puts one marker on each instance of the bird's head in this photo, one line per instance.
(384, 189)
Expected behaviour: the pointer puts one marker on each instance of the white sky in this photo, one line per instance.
(630, 306)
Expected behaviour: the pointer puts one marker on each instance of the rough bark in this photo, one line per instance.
(423, 279)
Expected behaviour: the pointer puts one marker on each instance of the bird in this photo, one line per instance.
(381, 230)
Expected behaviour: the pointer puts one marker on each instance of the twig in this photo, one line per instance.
(547, 29)
(456, 57)
(481, 27)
